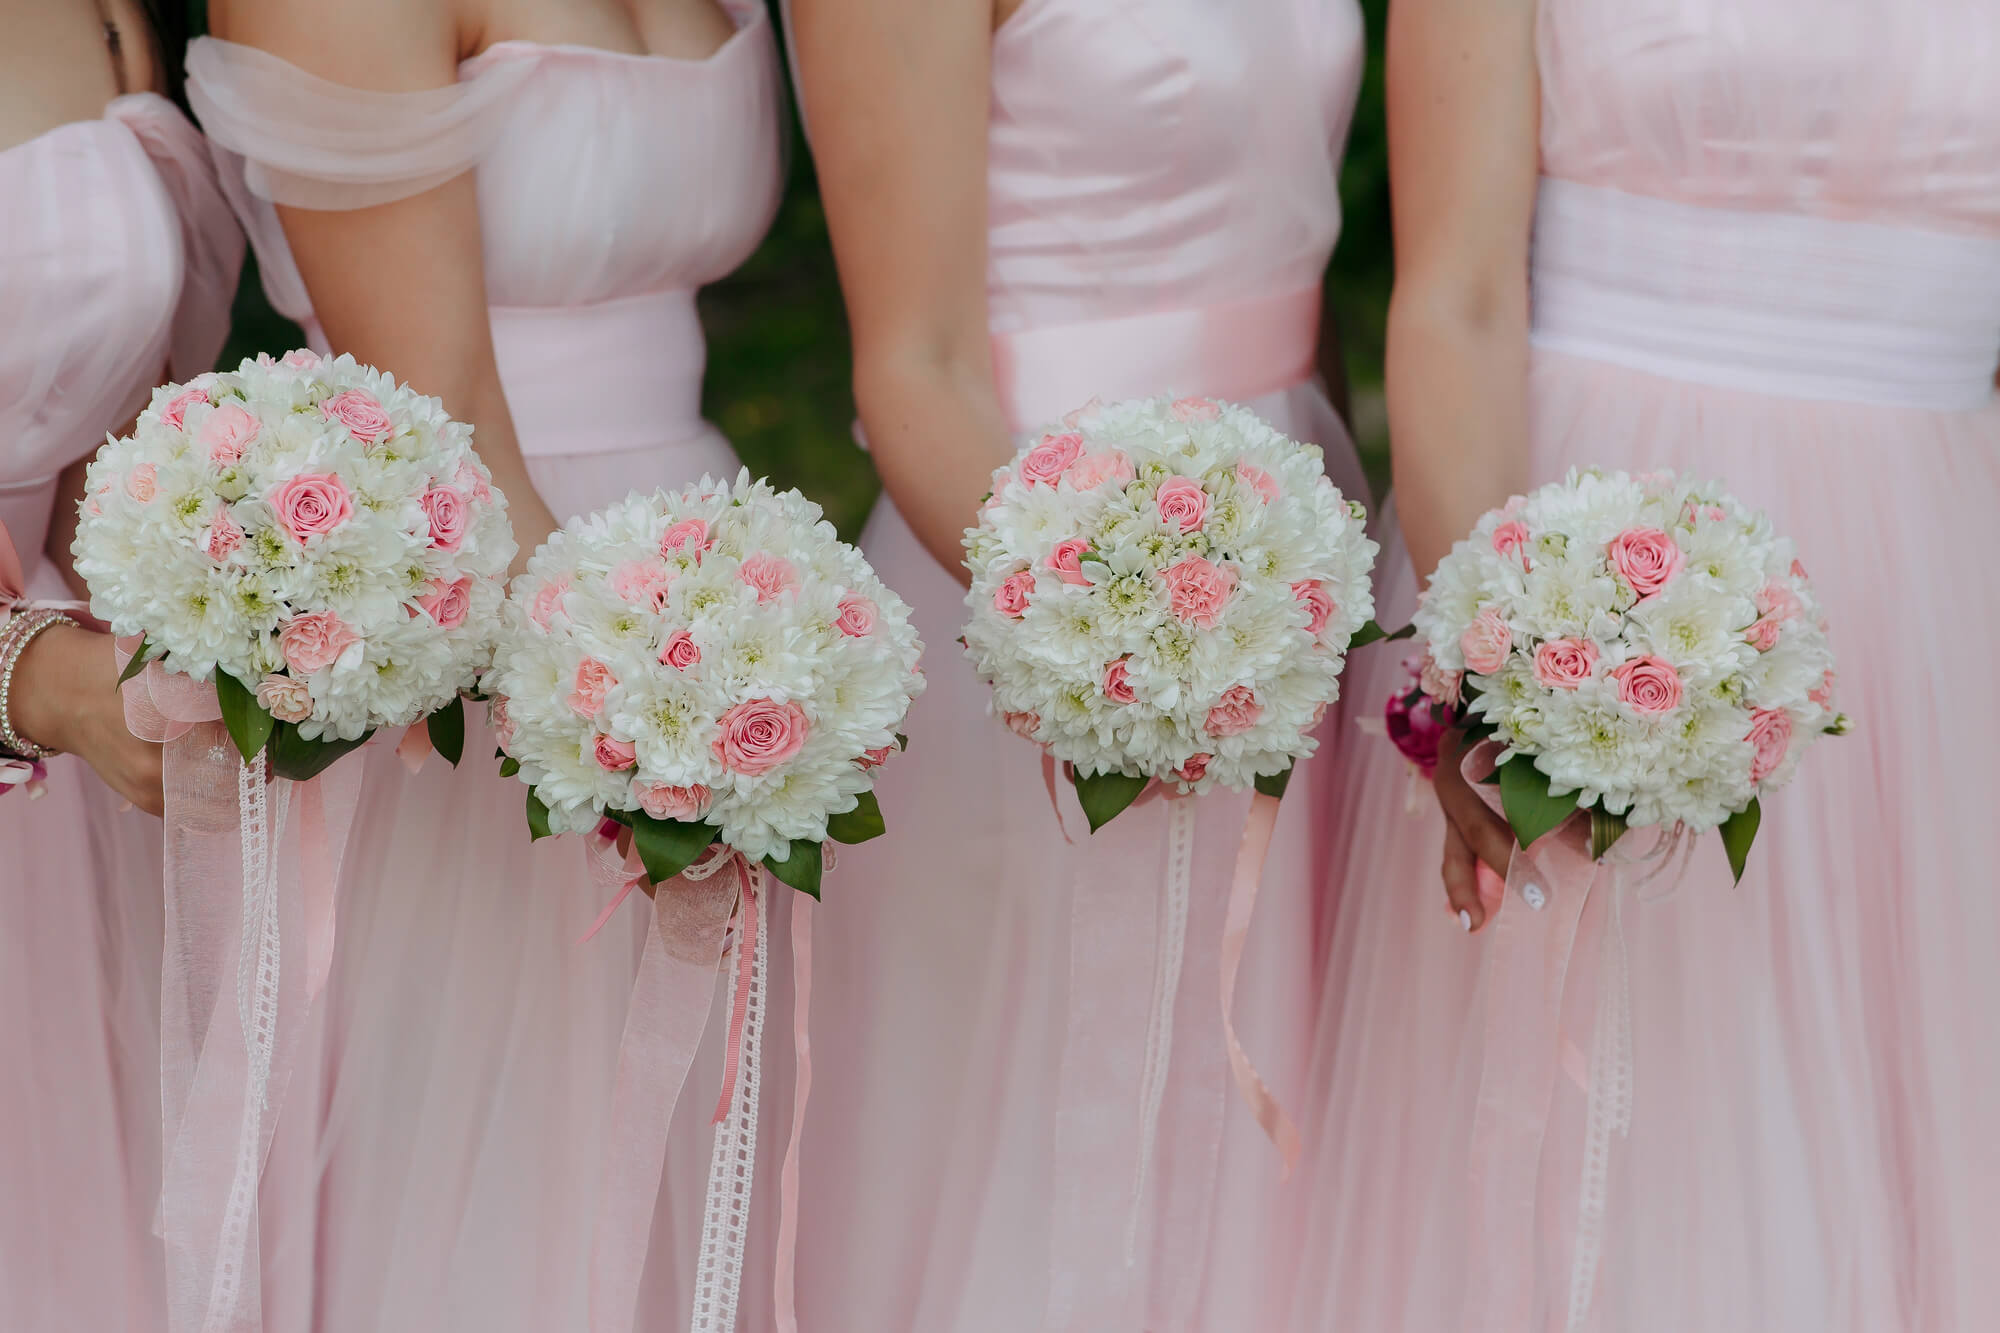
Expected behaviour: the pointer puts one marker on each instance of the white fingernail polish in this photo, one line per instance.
(1464, 919)
(1533, 894)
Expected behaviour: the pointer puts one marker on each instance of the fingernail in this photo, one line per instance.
(1532, 893)
(1465, 919)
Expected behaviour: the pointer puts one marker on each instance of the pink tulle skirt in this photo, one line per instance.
(941, 1004)
(1815, 1078)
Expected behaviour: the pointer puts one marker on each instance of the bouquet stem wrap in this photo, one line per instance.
(671, 1001)
(1154, 1051)
(251, 871)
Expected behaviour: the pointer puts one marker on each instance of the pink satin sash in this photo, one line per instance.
(1238, 351)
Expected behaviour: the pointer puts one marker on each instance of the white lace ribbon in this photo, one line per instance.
(1160, 1022)
(732, 1163)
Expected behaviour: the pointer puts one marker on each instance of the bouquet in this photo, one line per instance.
(710, 667)
(1165, 591)
(1642, 648)
(303, 551)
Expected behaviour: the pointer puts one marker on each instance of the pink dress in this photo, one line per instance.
(1162, 183)
(437, 1161)
(1767, 250)
(118, 258)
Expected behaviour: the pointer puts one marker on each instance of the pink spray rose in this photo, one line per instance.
(1770, 737)
(1511, 536)
(144, 483)
(300, 358)
(1486, 642)
(690, 534)
(1195, 769)
(315, 641)
(1764, 632)
(1067, 560)
(174, 414)
(1198, 590)
(857, 616)
(1235, 713)
(771, 575)
(1646, 558)
(361, 414)
(473, 482)
(664, 801)
(1313, 597)
(447, 603)
(760, 734)
(1093, 470)
(642, 582)
(312, 504)
(593, 681)
(1045, 464)
(1011, 597)
(1260, 481)
(1117, 683)
(1564, 664)
(223, 536)
(876, 757)
(1823, 693)
(1196, 409)
(503, 723)
(1776, 605)
(548, 601)
(1024, 725)
(444, 506)
(227, 434)
(285, 699)
(614, 755)
(680, 651)
(1182, 503)
(1441, 685)
(1649, 685)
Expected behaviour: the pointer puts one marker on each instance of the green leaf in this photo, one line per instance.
(902, 741)
(1274, 784)
(293, 756)
(509, 766)
(136, 665)
(1605, 831)
(1104, 796)
(668, 846)
(860, 824)
(1738, 832)
(249, 725)
(800, 867)
(1524, 795)
(447, 728)
(1374, 633)
(538, 817)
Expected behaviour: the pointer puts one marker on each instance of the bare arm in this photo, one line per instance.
(1464, 107)
(896, 92)
(401, 285)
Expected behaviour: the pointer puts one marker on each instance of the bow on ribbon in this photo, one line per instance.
(244, 880)
(669, 1010)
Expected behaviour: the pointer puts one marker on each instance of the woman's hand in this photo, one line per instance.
(66, 696)
(1473, 834)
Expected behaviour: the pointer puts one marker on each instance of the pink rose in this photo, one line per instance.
(1564, 664)
(1235, 713)
(473, 482)
(1093, 470)
(1798, 571)
(760, 734)
(662, 800)
(1196, 409)
(1011, 597)
(1067, 560)
(227, 434)
(593, 681)
(1770, 737)
(548, 601)
(1047, 461)
(1486, 642)
(447, 603)
(771, 575)
(1313, 597)
(680, 651)
(642, 582)
(1024, 725)
(286, 699)
(1441, 685)
(1763, 633)
(361, 414)
(613, 755)
(143, 484)
(857, 616)
(1777, 601)
(300, 358)
(1198, 590)
(1195, 769)
(875, 758)
(315, 641)
(312, 504)
(445, 508)
(174, 414)
(223, 536)
(1511, 536)
(1823, 694)
(1649, 685)
(503, 722)
(1182, 503)
(1647, 558)
(690, 534)
(1260, 481)
(1117, 684)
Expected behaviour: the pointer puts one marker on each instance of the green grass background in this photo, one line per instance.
(778, 366)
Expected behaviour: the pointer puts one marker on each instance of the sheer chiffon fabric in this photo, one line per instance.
(438, 1160)
(118, 258)
(1768, 252)
(1144, 159)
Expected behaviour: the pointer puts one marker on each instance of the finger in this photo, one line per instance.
(1490, 839)
(1461, 884)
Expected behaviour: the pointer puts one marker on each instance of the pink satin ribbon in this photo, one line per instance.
(1263, 1104)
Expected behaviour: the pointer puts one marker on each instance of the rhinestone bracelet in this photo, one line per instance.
(20, 632)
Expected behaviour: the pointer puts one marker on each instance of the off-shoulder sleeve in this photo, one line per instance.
(211, 240)
(308, 143)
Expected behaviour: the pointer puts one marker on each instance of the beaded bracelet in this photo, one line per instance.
(19, 632)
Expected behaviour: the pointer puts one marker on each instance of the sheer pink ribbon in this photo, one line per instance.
(216, 1117)
(672, 997)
